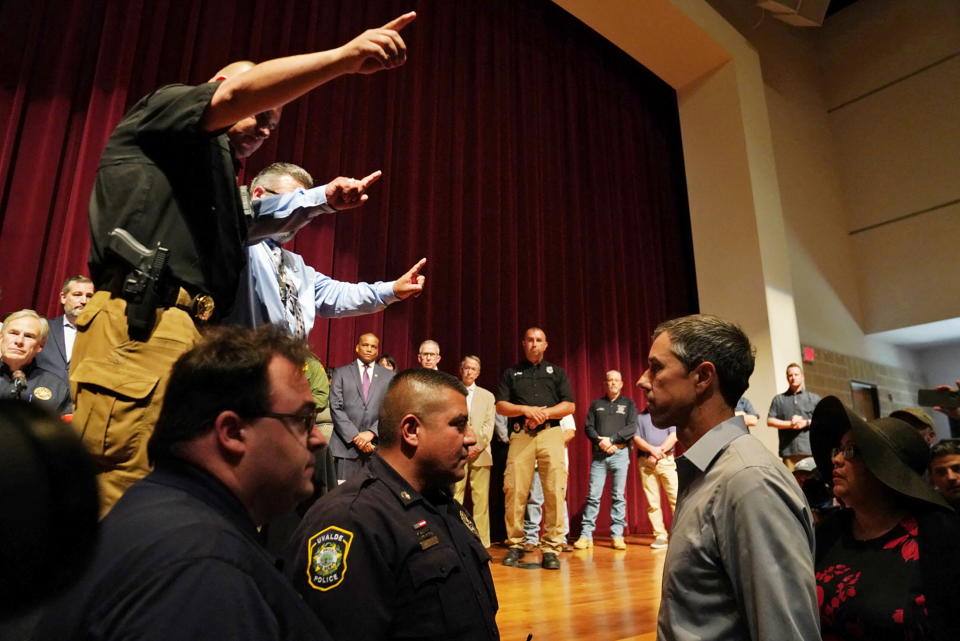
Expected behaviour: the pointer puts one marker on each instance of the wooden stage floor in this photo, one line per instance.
(599, 594)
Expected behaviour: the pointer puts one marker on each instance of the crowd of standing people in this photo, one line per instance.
(190, 477)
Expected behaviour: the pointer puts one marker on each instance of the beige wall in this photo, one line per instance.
(891, 79)
(782, 167)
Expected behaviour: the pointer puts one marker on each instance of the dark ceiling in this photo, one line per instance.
(838, 5)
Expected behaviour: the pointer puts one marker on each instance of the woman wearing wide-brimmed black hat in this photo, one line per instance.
(888, 566)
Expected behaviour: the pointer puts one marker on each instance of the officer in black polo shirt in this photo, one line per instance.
(167, 177)
(534, 395)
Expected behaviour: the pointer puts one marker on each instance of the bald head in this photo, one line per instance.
(614, 383)
(233, 69)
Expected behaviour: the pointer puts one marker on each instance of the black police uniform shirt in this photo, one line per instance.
(617, 420)
(376, 559)
(163, 179)
(540, 385)
(42, 388)
(179, 559)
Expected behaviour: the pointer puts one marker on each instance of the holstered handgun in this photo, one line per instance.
(143, 285)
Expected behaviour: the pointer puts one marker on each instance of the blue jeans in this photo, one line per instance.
(602, 464)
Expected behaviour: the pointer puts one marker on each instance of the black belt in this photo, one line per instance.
(517, 425)
(198, 304)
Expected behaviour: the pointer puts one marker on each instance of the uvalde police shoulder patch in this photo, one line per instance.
(327, 557)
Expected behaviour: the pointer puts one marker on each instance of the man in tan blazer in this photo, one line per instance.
(481, 406)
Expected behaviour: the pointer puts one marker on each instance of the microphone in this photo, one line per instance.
(19, 383)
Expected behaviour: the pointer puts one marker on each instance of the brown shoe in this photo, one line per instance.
(531, 547)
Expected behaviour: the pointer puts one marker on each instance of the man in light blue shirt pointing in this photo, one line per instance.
(279, 287)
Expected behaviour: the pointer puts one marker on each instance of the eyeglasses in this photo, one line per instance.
(302, 423)
(849, 452)
(429, 354)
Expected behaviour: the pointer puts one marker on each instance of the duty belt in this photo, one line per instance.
(516, 424)
(200, 306)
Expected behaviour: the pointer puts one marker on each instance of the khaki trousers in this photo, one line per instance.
(118, 385)
(479, 479)
(651, 477)
(545, 451)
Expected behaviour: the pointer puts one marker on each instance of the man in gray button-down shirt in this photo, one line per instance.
(740, 561)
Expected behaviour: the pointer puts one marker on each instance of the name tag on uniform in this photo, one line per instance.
(621, 409)
(425, 536)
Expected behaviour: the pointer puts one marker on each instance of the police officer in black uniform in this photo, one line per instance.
(390, 554)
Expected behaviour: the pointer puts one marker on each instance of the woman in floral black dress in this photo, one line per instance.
(888, 566)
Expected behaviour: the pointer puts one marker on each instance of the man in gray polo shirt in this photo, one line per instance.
(791, 413)
(740, 561)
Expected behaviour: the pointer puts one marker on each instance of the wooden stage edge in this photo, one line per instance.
(599, 594)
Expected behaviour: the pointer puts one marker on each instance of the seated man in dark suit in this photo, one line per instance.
(356, 394)
(55, 357)
(23, 336)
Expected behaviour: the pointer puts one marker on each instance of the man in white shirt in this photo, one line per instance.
(55, 357)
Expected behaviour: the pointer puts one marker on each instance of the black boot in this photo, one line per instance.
(550, 561)
(513, 557)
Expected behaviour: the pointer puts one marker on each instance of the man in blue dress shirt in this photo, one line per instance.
(280, 288)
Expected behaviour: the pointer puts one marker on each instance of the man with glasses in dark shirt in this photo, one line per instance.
(178, 556)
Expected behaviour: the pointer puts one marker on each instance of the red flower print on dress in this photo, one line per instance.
(909, 549)
(844, 588)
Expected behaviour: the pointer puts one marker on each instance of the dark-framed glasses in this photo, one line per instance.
(849, 451)
(300, 424)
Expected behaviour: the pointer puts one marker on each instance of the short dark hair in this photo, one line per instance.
(79, 278)
(792, 365)
(412, 391)
(278, 169)
(389, 359)
(702, 338)
(946, 447)
(225, 371)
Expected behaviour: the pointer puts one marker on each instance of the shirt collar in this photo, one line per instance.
(67, 323)
(396, 483)
(206, 487)
(705, 451)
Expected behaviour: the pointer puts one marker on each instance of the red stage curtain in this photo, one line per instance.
(536, 166)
